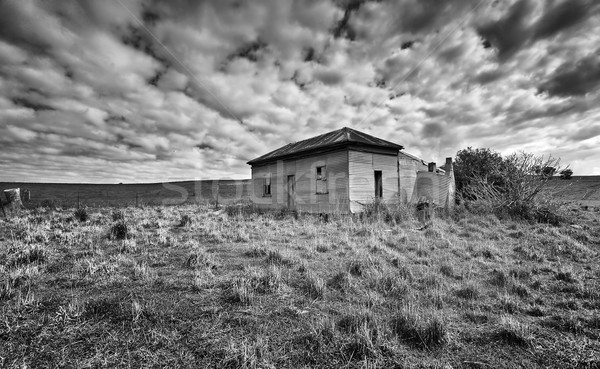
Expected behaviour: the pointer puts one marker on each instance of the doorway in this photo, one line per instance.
(378, 184)
(291, 192)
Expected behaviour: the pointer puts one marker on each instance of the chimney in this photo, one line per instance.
(448, 166)
(431, 167)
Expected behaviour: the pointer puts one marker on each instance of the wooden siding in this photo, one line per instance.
(433, 187)
(408, 167)
(361, 168)
(304, 170)
(258, 179)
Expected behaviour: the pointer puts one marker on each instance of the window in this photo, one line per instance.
(378, 184)
(321, 180)
(267, 186)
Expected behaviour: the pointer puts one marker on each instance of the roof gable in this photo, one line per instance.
(339, 138)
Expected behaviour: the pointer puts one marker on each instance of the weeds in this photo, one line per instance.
(119, 231)
(118, 216)
(468, 292)
(256, 252)
(419, 331)
(31, 254)
(185, 221)
(276, 258)
(513, 332)
(566, 276)
(240, 291)
(314, 286)
(199, 258)
(81, 215)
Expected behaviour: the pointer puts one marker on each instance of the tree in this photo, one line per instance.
(566, 173)
(548, 172)
(471, 164)
(518, 192)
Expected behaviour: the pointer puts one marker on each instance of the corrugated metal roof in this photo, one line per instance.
(336, 138)
(414, 157)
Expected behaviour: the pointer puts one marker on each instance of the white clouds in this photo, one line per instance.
(87, 87)
(20, 134)
(11, 54)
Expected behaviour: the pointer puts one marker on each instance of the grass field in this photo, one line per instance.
(583, 190)
(170, 193)
(186, 286)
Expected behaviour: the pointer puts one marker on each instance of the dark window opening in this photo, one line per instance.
(378, 184)
(267, 186)
(321, 179)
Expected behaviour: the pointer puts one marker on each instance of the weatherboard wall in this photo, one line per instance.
(304, 171)
(361, 168)
(434, 187)
(408, 168)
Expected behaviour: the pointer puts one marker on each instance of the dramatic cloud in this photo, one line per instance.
(154, 90)
(577, 78)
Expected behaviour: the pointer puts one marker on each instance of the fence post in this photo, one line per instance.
(136, 200)
(77, 200)
(2, 206)
(217, 203)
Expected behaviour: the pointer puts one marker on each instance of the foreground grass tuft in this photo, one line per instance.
(418, 330)
(513, 332)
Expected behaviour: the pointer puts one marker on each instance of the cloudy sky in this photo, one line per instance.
(148, 91)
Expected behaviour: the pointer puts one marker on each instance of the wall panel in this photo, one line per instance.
(362, 167)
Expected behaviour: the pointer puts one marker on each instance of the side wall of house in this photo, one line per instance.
(408, 167)
(361, 168)
(304, 171)
(434, 187)
(259, 174)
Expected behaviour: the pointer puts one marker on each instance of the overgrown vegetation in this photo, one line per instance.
(509, 186)
(81, 214)
(198, 287)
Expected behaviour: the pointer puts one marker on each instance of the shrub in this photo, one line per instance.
(513, 188)
(119, 231)
(471, 164)
(48, 204)
(81, 214)
(185, 220)
(566, 173)
(117, 215)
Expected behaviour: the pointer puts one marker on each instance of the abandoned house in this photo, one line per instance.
(343, 170)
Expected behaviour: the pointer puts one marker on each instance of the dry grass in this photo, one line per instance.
(190, 287)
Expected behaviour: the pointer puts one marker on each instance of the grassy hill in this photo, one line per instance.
(584, 190)
(186, 286)
(199, 192)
